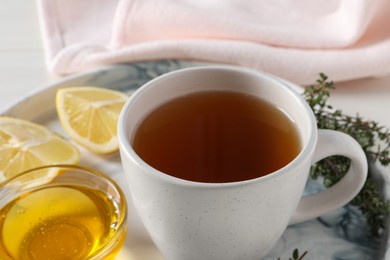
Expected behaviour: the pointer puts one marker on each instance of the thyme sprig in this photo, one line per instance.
(296, 255)
(374, 140)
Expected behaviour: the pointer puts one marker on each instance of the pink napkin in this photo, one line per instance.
(345, 39)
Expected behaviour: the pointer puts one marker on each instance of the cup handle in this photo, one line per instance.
(334, 143)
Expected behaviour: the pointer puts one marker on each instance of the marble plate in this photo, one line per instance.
(342, 234)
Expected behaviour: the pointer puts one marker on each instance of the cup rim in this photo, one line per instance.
(128, 152)
(122, 227)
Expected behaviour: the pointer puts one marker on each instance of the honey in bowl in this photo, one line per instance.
(73, 216)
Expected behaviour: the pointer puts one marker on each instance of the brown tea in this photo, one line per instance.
(217, 136)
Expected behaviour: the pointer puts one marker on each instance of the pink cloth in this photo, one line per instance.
(345, 39)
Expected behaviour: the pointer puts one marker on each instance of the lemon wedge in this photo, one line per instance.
(89, 115)
(25, 145)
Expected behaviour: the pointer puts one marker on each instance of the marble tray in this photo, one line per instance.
(342, 234)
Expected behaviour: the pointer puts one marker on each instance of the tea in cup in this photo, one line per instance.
(61, 212)
(217, 158)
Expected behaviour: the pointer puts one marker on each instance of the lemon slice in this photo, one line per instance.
(89, 115)
(25, 145)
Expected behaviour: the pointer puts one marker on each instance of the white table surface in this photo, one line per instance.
(23, 70)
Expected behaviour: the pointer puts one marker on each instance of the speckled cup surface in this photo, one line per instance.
(236, 220)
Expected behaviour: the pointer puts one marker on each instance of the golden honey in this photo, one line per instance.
(59, 222)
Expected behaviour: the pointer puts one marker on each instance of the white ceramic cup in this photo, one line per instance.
(236, 220)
